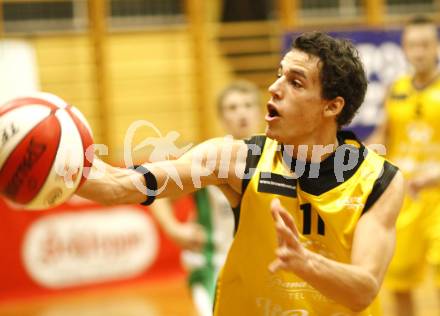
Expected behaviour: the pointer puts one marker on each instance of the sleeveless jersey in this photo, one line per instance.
(326, 210)
(413, 144)
(413, 122)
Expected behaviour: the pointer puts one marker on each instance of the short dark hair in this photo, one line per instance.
(242, 86)
(342, 72)
(419, 20)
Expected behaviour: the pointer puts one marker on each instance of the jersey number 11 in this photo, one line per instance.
(307, 223)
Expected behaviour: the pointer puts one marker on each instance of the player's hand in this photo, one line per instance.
(291, 254)
(424, 180)
(189, 236)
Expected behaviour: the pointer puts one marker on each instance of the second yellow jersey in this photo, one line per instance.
(413, 116)
(326, 210)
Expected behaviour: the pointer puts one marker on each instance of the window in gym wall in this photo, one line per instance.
(141, 13)
(412, 6)
(331, 8)
(44, 16)
(247, 10)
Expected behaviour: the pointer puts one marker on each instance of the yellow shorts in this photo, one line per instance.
(418, 242)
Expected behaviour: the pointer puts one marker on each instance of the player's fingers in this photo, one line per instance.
(200, 233)
(289, 221)
(198, 242)
(276, 265)
(274, 207)
(283, 253)
(280, 238)
(280, 214)
(412, 189)
(198, 239)
(195, 246)
(286, 236)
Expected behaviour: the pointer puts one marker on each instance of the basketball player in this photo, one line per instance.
(315, 210)
(411, 134)
(206, 240)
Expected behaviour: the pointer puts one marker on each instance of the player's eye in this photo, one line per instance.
(296, 83)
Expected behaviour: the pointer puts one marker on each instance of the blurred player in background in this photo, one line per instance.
(206, 240)
(411, 134)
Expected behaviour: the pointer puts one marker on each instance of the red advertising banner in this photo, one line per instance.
(82, 245)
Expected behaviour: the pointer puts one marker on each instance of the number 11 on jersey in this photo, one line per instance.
(307, 222)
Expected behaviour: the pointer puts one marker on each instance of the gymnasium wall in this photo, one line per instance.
(65, 69)
(150, 77)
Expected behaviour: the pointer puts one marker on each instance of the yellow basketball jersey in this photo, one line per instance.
(326, 210)
(413, 144)
(414, 131)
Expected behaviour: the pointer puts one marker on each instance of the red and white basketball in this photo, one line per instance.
(43, 142)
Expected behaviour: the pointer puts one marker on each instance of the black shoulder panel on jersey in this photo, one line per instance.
(236, 212)
(255, 149)
(318, 178)
(381, 184)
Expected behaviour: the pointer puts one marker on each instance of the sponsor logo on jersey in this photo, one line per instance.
(270, 182)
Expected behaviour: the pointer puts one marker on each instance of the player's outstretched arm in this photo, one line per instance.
(428, 178)
(218, 161)
(356, 284)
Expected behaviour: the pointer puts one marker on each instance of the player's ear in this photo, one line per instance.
(333, 107)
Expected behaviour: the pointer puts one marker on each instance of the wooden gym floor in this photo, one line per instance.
(168, 297)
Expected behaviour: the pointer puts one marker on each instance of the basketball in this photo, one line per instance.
(43, 144)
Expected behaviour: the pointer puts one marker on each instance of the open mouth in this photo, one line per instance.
(272, 111)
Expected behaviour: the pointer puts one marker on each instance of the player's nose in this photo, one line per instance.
(275, 88)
